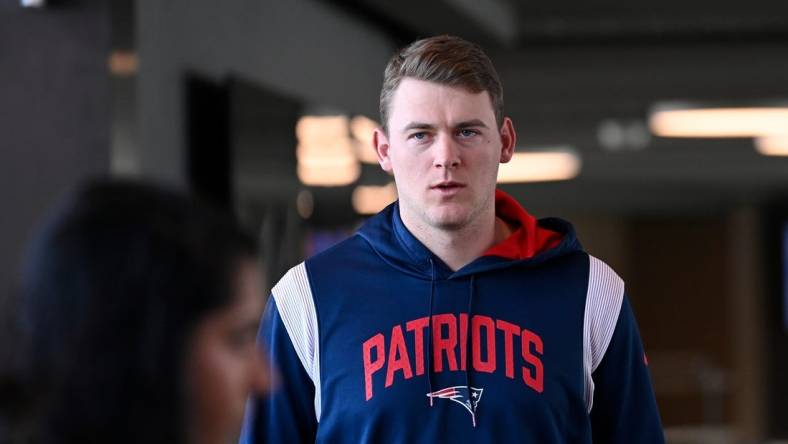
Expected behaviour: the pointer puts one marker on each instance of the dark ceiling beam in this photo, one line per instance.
(498, 18)
(487, 22)
(631, 28)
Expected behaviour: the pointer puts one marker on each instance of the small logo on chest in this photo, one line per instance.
(461, 395)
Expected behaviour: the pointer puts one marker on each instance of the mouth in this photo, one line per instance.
(447, 187)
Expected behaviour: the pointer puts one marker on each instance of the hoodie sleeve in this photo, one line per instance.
(618, 393)
(624, 408)
(287, 413)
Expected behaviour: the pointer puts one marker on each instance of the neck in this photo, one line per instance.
(459, 247)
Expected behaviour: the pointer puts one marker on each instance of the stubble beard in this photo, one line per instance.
(456, 224)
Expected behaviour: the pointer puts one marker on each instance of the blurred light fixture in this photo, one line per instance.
(774, 145)
(540, 166)
(123, 63)
(362, 128)
(329, 173)
(370, 199)
(319, 129)
(682, 120)
(33, 3)
(325, 151)
(623, 135)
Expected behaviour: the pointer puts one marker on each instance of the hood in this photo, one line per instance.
(531, 242)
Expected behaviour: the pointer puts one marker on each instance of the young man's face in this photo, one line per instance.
(443, 147)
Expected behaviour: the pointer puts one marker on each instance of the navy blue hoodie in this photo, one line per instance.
(532, 342)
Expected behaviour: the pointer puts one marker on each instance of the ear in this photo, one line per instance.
(381, 144)
(508, 140)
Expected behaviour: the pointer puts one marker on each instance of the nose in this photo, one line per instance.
(447, 154)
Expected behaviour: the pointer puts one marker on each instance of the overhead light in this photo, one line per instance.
(623, 135)
(370, 199)
(362, 128)
(338, 161)
(540, 166)
(678, 120)
(327, 167)
(328, 176)
(325, 151)
(772, 145)
(319, 129)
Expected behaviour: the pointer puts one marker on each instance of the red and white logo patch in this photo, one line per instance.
(461, 395)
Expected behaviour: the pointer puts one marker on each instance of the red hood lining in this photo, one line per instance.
(528, 238)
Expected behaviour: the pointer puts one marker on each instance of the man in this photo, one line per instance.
(453, 315)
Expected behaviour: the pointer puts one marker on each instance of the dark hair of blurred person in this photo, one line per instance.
(138, 316)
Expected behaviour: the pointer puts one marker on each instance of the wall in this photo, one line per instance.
(54, 110)
(303, 49)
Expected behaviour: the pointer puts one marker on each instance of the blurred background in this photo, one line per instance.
(659, 128)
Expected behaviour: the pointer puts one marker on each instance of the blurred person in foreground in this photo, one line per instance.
(137, 318)
(453, 315)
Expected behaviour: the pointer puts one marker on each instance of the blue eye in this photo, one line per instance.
(418, 136)
(467, 133)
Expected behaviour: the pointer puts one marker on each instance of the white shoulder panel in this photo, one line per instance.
(603, 304)
(293, 297)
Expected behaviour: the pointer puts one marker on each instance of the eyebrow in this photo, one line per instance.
(417, 125)
(464, 124)
(470, 123)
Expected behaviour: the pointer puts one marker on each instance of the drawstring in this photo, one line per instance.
(468, 353)
(429, 333)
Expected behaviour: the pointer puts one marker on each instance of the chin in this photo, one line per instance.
(449, 220)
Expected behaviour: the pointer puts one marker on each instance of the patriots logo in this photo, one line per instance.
(460, 395)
